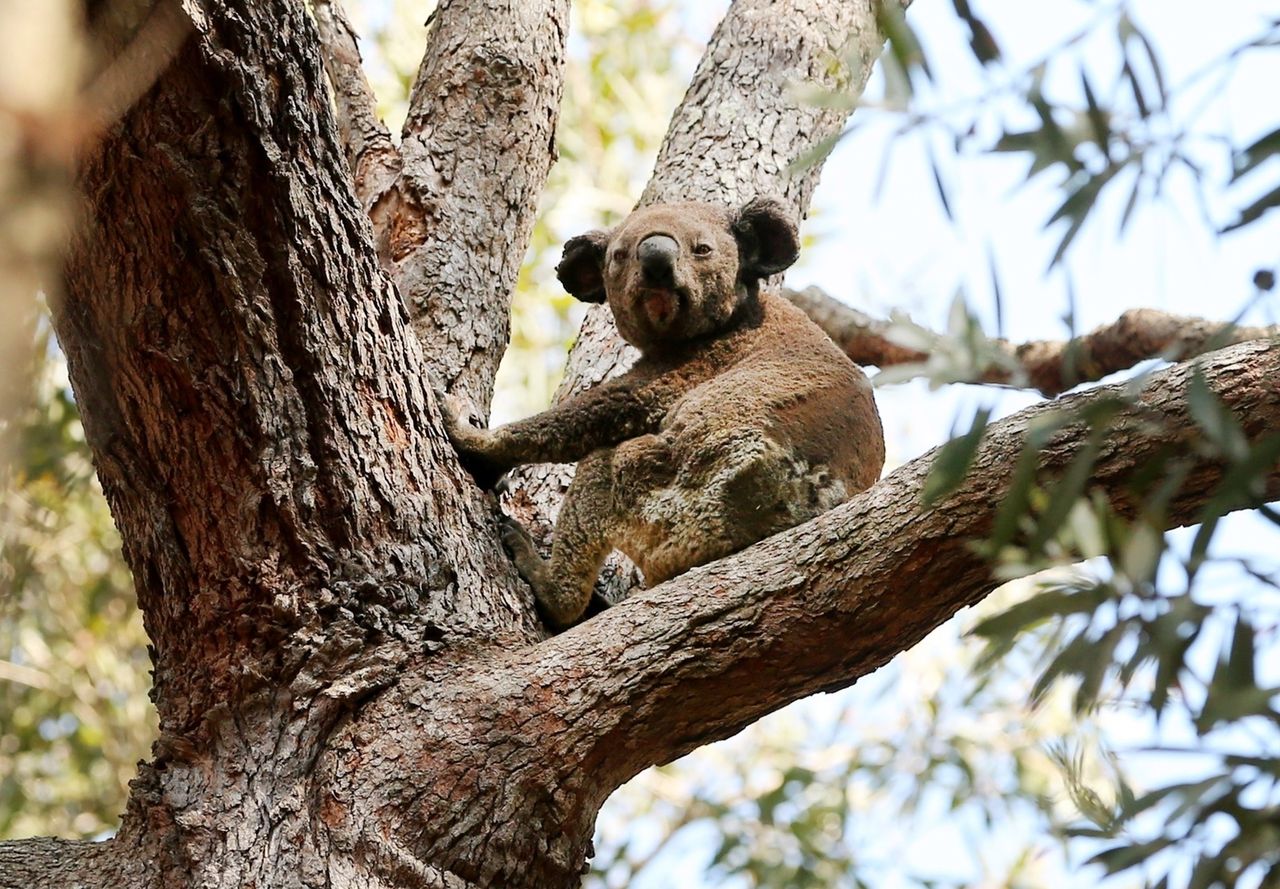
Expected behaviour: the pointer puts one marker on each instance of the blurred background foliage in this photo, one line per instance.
(74, 671)
(1108, 717)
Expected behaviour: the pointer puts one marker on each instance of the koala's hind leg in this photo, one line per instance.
(597, 507)
(563, 585)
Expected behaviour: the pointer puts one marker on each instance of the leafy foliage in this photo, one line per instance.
(1124, 633)
(73, 659)
(1133, 132)
(1114, 631)
(994, 747)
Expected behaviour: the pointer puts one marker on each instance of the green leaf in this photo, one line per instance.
(981, 42)
(1097, 116)
(1206, 873)
(1192, 790)
(1152, 59)
(1072, 660)
(1121, 858)
(954, 459)
(1064, 494)
(904, 46)
(1248, 159)
(1096, 667)
(1059, 601)
(1015, 142)
(939, 185)
(1212, 416)
(1241, 484)
(1132, 203)
(1077, 207)
(1239, 668)
(996, 293)
(1254, 211)
(1136, 88)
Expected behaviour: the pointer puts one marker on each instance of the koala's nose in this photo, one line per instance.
(657, 254)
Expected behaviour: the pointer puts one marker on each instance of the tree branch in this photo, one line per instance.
(477, 146)
(740, 131)
(1048, 366)
(814, 608)
(117, 862)
(371, 154)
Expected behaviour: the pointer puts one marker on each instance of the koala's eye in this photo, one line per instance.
(702, 249)
(619, 254)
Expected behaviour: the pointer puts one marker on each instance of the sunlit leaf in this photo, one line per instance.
(953, 460)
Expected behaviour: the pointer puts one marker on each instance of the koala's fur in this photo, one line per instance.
(740, 419)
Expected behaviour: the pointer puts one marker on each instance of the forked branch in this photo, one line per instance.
(453, 206)
(371, 153)
(743, 129)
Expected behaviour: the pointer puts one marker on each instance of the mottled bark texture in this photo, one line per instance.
(453, 203)
(353, 690)
(1051, 367)
(477, 146)
(372, 155)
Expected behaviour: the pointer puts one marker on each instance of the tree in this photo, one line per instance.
(351, 683)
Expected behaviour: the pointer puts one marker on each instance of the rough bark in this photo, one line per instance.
(1051, 367)
(372, 155)
(477, 146)
(453, 204)
(814, 608)
(297, 525)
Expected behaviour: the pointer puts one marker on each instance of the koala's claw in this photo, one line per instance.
(515, 537)
(469, 438)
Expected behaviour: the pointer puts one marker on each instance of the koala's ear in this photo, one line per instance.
(581, 268)
(767, 237)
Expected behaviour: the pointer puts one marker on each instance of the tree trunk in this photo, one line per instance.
(352, 685)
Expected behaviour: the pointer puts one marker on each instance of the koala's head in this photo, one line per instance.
(675, 272)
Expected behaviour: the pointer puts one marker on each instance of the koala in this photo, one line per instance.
(740, 418)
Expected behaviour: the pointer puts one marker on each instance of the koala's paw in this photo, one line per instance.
(523, 552)
(473, 444)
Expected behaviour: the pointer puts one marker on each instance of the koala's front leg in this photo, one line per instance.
(478, 449)
(601, 417)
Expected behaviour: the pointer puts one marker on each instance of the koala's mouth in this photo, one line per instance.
(660, 305)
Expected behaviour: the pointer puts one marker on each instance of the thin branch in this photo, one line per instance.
(477, 146)
(813, 609)
(371, 153)
(1049, 366)
(45, 861)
